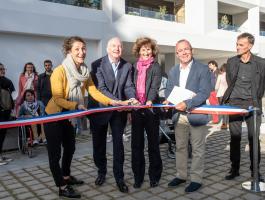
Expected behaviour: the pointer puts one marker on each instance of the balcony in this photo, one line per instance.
(95, 4)
(232, 18)
(228, 27)
(149, 14)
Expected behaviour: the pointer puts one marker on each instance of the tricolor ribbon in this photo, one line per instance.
(205, 109)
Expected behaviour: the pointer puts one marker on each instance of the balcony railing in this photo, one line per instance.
(229, 27)
(262, 33)
(95, 4)
(149, 14)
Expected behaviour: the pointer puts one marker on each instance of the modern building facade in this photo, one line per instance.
(34, 30)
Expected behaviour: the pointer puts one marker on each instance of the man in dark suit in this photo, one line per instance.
(113, 77)
(194, 76)
(245, 75)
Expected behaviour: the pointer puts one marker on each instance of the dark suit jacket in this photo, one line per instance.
(120, 89)
(199, 81)
(258, 78)
(153, 81)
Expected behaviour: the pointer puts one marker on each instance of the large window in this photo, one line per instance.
(169, 10)
(96, 4)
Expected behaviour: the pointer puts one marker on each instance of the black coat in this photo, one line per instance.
(153, 81)
(44, 92)
(257, 80)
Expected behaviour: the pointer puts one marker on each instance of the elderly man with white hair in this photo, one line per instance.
(112, 76)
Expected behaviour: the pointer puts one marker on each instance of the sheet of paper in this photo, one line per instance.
(180, 94)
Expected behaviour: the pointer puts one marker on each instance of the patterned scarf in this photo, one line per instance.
(142, 66)
(31, 107)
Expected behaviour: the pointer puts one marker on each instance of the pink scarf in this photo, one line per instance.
(142, 66)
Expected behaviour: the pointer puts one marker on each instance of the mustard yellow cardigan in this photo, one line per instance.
(60, 90)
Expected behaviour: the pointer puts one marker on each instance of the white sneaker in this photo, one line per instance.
(35, 142)
(44, 141)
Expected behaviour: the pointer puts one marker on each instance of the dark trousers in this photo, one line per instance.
(145, 121)
(4, 116)
(235, 127)
(99, 133)
(60, 134)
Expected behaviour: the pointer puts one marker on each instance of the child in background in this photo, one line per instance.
(32, 108)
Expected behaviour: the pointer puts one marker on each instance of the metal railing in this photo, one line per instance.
(149, 14)
(228, 27)
(95, 4)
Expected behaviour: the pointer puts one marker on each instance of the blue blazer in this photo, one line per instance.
(120, 89)
(199, 81)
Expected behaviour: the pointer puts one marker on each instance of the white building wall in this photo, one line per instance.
(33, 30)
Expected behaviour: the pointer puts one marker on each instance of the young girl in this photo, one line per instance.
(31, 108)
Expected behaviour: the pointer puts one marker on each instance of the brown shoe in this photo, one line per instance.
(224, 126)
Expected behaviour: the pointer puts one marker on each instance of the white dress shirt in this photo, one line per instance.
(184, 73)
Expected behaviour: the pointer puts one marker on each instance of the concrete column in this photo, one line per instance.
(254, 26)
(170, 61)
(114, 9)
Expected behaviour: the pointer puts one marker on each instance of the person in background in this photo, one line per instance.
(7, 85)
(44, 92)
(220, 88)
(245, 76)
(28, 79)
(194, 76)
(68, 83)
(33, 108)
(147, 79)
(213, 67)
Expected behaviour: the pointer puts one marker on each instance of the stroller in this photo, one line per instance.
(167, 134)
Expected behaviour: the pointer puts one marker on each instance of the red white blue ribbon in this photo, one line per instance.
(219, 110)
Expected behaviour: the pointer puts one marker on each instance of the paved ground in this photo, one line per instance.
(30, 178)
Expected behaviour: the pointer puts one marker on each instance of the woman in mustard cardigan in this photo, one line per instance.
(68, 83)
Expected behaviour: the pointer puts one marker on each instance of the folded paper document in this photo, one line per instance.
(180, 94)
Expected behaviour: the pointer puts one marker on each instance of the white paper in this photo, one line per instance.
(180, 94)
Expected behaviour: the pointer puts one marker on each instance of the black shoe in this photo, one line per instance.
(153, 184)
(123, 187)
(100, 179)
(137, 185)
(69, 192)
(73, 181)
(232, 174)
(192, 187)
(175, 182)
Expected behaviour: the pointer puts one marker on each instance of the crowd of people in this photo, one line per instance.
(112, 81)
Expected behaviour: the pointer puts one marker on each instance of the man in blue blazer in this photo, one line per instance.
(112, 75)
(194, 76)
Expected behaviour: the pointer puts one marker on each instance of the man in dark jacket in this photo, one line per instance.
(44, 86)
(245, 77)
(5, 84)
(113, 77)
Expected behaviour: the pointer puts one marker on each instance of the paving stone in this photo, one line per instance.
(101, 197)
(14, 186)
(20, 190)
(142, 194)
(222, 196)
(4, 194)
(49, 197)
(168, 195)
(25, 195)
(249, 196)
(41, 192)
(37, 187)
